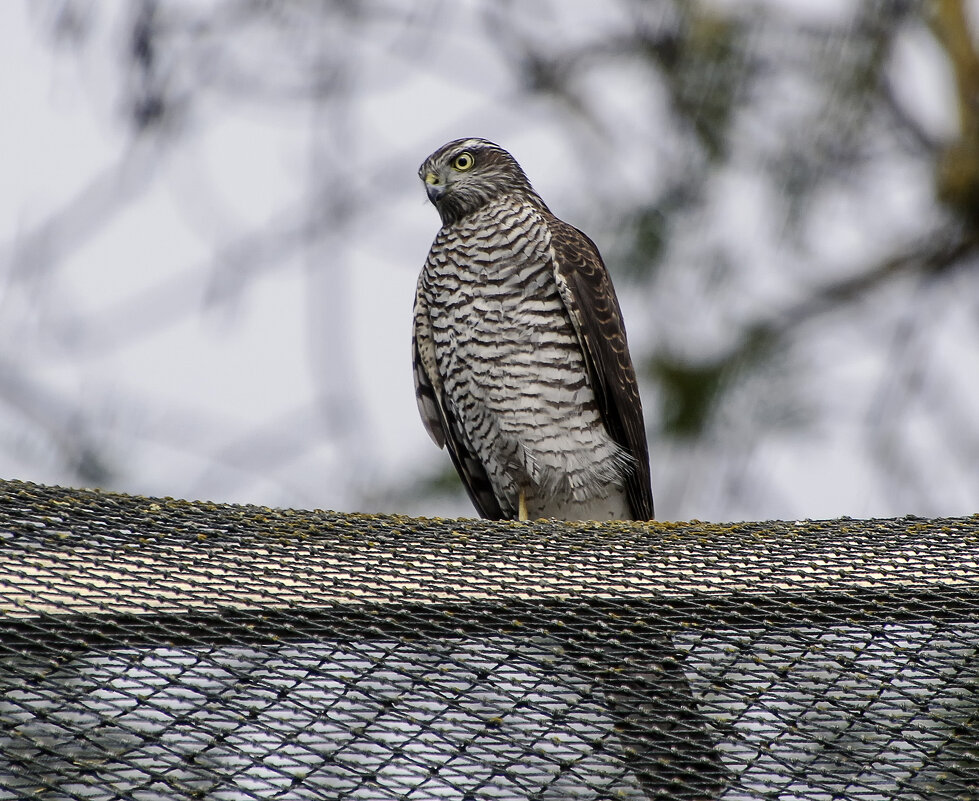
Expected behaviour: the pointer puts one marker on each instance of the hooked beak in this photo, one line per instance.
(434, 187)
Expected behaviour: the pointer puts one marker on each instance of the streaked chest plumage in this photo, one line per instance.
(510, 360)
(498, 320)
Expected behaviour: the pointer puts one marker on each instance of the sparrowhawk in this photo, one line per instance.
(521, 362)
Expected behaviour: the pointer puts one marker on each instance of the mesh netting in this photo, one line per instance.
(156, 649)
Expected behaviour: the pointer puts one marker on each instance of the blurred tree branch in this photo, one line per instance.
(958, 164)
(680, 117)
(63, 423)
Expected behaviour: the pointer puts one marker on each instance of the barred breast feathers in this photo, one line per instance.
(511, 357)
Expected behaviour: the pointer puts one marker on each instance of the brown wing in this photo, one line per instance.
(587, 292)
(441, 423)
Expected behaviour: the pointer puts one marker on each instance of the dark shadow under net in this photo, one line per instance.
(156, 649)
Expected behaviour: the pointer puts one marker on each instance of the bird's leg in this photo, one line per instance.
(522, 507)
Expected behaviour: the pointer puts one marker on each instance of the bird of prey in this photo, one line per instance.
(521, 362)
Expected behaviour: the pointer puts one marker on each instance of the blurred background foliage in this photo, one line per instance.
(787, 194)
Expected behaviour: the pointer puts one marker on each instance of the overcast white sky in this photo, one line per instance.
(224, 399)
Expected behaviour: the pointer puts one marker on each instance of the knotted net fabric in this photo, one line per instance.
(158, 649)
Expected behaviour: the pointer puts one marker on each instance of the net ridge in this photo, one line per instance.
(158, 648)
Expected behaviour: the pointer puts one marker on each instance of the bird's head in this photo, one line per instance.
(466, 174)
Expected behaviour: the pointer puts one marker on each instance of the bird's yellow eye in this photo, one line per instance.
(463, 162)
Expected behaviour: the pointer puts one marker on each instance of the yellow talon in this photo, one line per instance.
(522, 507)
